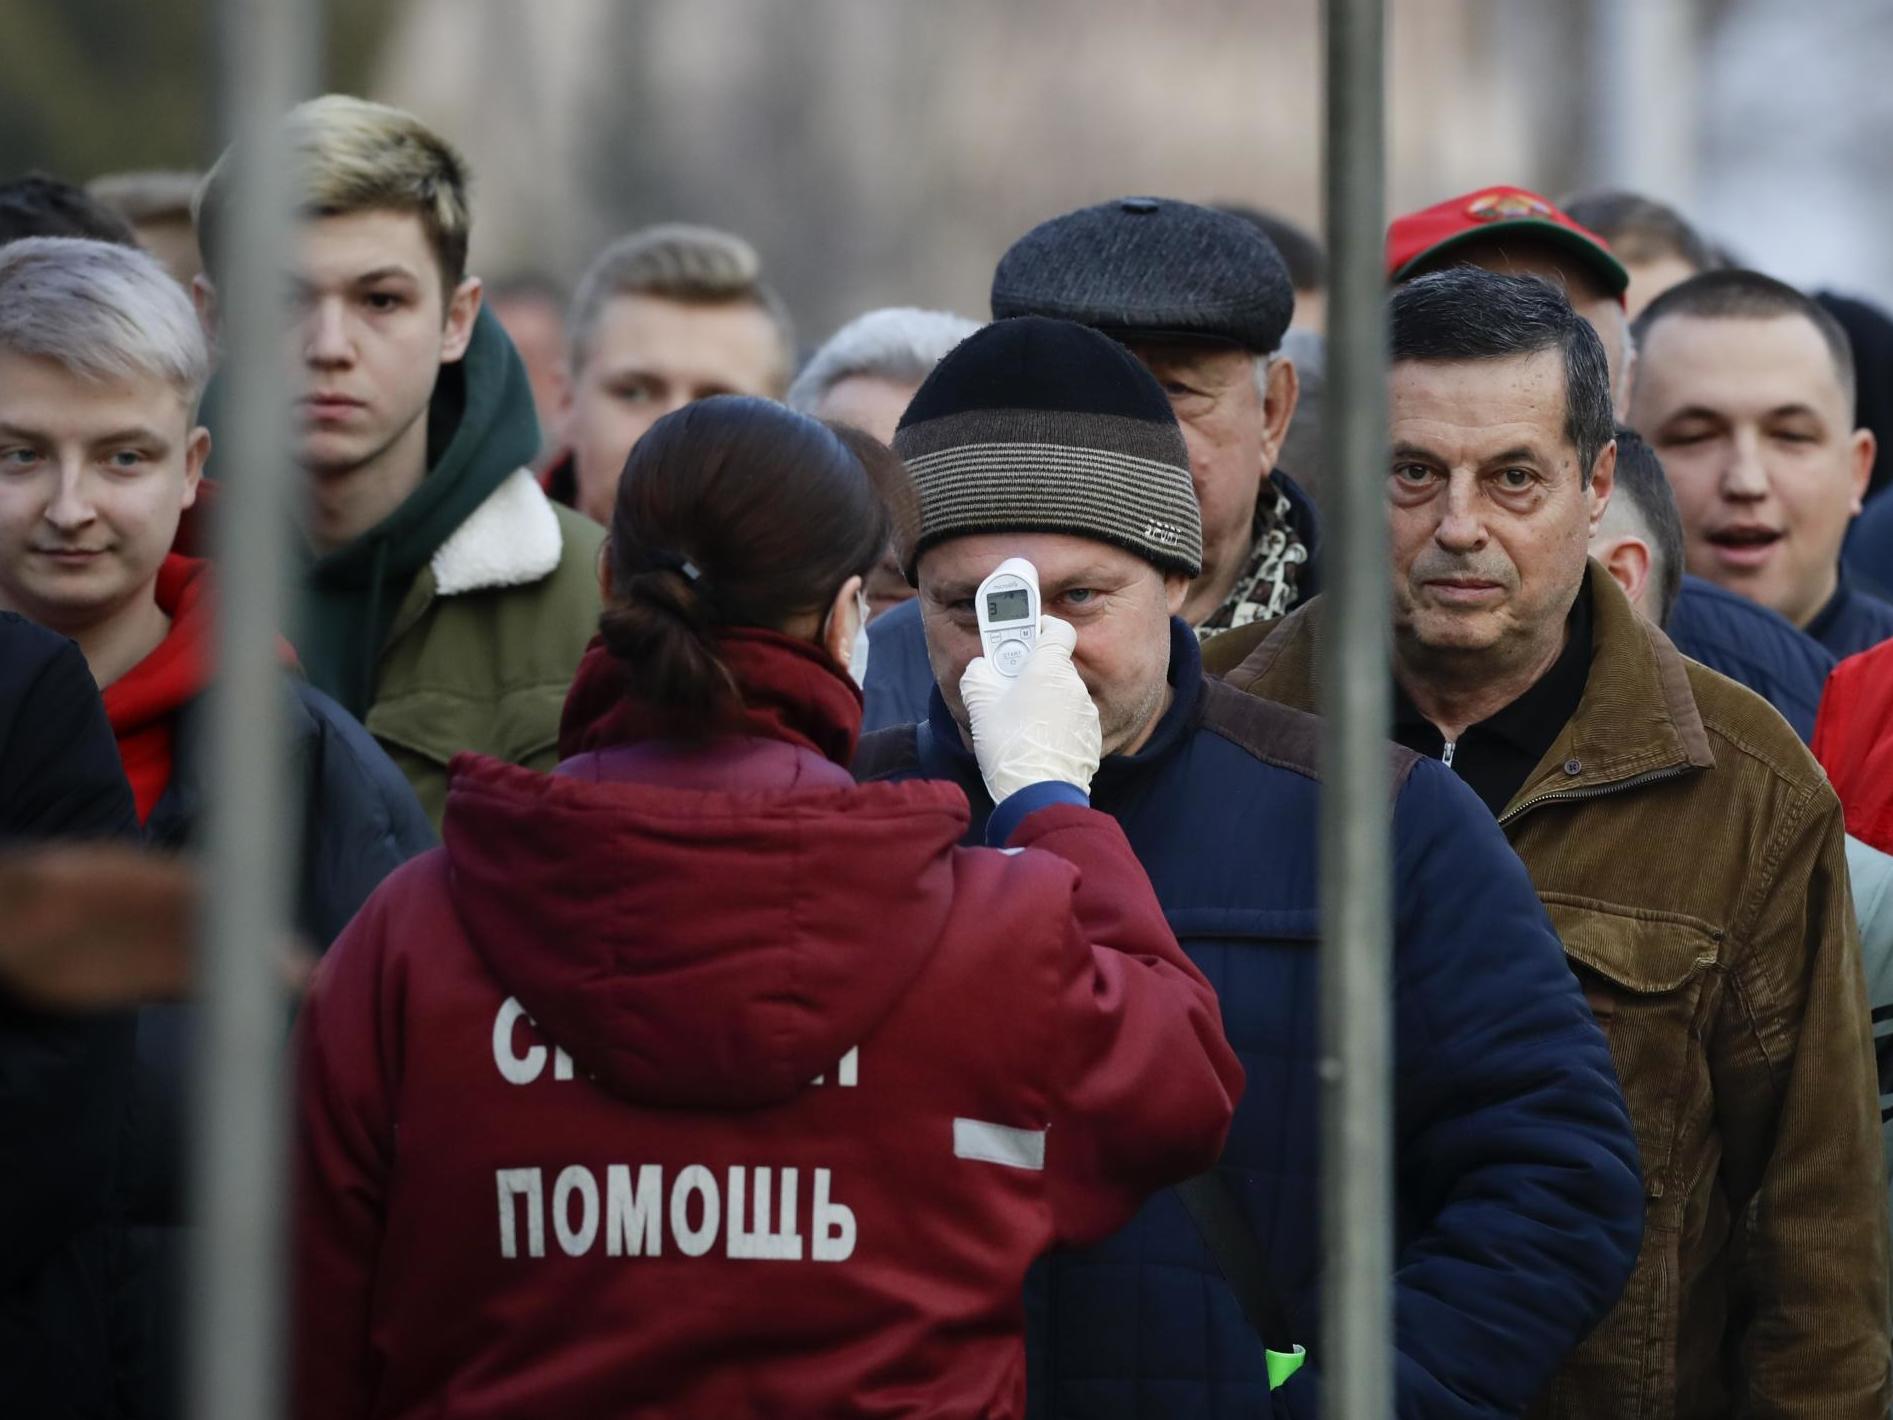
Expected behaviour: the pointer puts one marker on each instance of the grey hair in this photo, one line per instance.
(897, 343)
(102, 311)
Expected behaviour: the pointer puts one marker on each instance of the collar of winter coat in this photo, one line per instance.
(946, 751)
(694, 946)
(1638, 716)
(792, 691)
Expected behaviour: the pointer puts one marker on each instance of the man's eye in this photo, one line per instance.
(383, 301)
(1685, 437)
(1079, 596)
(633, 394)
(1796, 436)
(1515, 480)
(1412, 472)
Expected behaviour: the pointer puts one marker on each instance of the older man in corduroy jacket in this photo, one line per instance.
(1687, 846)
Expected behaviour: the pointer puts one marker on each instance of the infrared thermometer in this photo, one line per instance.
(1008, 605)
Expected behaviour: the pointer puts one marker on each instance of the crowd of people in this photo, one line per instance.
(721, 989)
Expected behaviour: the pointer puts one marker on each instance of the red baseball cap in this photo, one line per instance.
(1419, 237)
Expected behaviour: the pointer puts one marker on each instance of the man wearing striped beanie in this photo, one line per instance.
(1043, 439)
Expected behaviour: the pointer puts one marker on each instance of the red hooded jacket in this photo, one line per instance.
(143, 703)
(705, 1082)
(1853, 739)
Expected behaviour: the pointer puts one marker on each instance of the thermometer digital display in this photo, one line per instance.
(1008, 606)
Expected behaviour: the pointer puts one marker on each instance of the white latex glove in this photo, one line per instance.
(1037, 726)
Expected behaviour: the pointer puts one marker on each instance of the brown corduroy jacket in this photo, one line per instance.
(1689, 851)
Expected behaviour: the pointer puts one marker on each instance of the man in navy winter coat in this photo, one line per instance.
(1518, 1191)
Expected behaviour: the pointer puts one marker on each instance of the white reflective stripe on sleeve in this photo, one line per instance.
(999, 1144)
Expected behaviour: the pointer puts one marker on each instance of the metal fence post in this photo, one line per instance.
(264, 54)
(1356, 858)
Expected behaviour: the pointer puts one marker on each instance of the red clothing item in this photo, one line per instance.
(1853, 739)
(701, 1081)
(143, 703)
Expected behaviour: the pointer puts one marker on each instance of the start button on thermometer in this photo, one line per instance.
(1008, 605)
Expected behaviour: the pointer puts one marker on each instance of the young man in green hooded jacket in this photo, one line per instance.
(446, 600)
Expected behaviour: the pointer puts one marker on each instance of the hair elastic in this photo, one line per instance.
(658, 560)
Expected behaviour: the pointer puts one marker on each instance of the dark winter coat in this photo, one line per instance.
(62, 1081)
(358, 821)
(1752, 646)
(1519, 1207)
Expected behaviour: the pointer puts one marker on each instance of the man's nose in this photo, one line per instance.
(71, 506)
(1460, 529)
(1744, 473)
(326, 338)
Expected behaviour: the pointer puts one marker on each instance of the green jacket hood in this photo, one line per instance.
(480, 428)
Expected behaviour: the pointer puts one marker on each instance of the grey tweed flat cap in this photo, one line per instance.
(1151, 268)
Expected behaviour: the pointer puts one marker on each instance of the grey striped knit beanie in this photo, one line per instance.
(1039, 425)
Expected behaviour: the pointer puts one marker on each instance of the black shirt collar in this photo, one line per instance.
(1497, 755)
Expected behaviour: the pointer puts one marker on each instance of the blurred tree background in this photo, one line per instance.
(97, 86)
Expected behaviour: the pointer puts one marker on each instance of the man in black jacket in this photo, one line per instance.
(62, 1080)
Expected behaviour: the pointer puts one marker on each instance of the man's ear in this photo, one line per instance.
(1627, 559)
(1281, 393)
(1176, 587)
(1603, 484)
(204, 297)
(1860, 455)
(463, 308)
(196, 451)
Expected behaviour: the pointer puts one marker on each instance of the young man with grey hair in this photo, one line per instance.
(1203, 299)
(662, 317)
(102, 362)
(864, 375)
(1688, 848)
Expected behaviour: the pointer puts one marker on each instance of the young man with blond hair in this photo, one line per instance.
(447, 599)
(663, 317)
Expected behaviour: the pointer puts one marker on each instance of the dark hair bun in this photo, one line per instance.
(774, 512)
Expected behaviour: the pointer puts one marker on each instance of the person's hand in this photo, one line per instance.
(95, 925)
(1038, 726)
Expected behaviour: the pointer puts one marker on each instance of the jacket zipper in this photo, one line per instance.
(1596, 791)
(1446, 754)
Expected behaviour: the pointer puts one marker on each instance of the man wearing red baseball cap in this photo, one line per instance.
(1519, 233)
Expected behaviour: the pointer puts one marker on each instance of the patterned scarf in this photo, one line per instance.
(1267, 587)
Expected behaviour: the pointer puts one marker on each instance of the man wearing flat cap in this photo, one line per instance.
(1202, 298)
(1517, 1188)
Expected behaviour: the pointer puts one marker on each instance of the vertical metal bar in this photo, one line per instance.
(264, 49)
(1356, 859)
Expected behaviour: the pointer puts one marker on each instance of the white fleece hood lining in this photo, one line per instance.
(510, 540)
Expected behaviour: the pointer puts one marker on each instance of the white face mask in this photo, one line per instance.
(858, 657)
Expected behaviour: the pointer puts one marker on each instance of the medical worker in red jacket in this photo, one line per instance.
(694, 1079)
